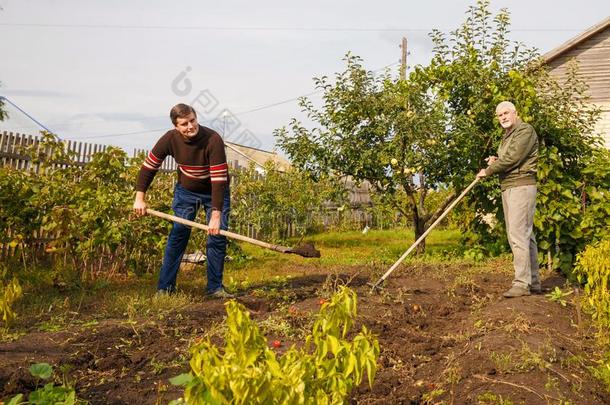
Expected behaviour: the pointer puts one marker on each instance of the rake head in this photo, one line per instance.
(305, 250)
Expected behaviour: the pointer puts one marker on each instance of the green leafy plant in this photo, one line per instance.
(10, 293)
(262, 201)
(49, 393)
(593, 269)
(558, 296)
(248, 371)
(602, 373)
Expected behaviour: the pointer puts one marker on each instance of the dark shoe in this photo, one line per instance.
(536, 289)
(516, 292)
(221, 293)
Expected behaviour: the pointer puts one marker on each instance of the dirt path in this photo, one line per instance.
(445, 332)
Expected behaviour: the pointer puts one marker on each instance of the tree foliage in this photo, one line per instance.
(439, 122)
(3, 113)
(273, 202)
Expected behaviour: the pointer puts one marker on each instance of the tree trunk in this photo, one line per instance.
(419, 228)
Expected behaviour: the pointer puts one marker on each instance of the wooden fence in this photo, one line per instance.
(13, 146)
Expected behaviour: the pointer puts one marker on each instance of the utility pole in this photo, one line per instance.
(403, 59)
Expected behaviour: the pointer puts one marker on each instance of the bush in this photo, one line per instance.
(278, 203)
(8, 295)
(593, 269)
(82, 210)
(247, 371)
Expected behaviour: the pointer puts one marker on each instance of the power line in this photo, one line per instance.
(264, 107)
(25, 113)
(305, 95)
(281, 29)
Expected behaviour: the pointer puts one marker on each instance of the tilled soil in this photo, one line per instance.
(446, 336)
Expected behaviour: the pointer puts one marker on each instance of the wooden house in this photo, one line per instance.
(591, 49)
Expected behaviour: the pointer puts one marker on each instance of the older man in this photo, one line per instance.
(516, 165)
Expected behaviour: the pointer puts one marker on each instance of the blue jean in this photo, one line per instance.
(185, 205)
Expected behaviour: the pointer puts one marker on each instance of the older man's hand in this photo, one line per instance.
(482, 173)
(491, 159)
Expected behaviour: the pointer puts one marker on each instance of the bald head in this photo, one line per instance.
(507, 115)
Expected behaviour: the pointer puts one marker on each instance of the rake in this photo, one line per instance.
(375, 287)
(305, 249)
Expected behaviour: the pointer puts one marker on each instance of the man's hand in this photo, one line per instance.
(139, 205)
(214, 225)
(491, 159)
(482, 173)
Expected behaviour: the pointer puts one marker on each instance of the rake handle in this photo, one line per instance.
(423, 236)
(228, 234)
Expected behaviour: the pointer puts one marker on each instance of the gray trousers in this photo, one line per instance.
(519, 205)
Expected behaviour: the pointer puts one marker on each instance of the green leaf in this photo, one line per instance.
(41, 370)
(17, 399)
(182, 379)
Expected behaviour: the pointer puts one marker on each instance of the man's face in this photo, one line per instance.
(187, 126)
(507, 117)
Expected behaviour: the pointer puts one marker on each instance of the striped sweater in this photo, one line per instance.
(201, 160)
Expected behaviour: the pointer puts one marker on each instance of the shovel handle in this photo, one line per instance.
(228, 234)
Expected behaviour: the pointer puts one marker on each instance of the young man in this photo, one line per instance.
(516, 165)
(203, 180)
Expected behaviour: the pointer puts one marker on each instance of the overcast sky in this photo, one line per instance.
(109, 71)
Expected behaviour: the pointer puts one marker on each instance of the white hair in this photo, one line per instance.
(506, 104)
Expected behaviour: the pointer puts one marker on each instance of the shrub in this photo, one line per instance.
(247, 371)
(10, 293)
(593, 268)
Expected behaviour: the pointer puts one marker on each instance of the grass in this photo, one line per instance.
(56, 300)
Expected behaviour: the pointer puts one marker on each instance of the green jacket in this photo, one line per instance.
(517, 157)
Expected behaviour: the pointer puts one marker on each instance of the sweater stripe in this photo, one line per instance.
(200, 173)
(152, 162)
(219, 173)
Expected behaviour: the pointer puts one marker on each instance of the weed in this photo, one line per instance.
(157, 366)
(277, 326)
(602, 373)
(530, 360)
(237, 285)
(551, 383)
(463, 282)
(7, 335)
(558, 296)
(429, 397)
(502, 361)
(137, 305)
(519, 324)
(489, 398)
(55, 324)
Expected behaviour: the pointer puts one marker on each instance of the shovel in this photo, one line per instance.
(423, 236)
(305, 250)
